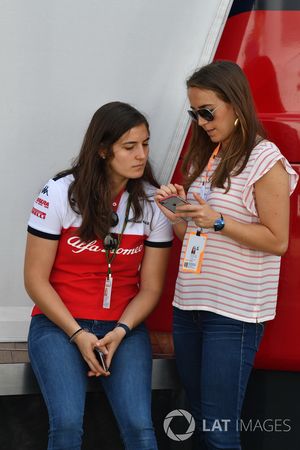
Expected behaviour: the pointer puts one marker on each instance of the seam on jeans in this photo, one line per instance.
(42, 386)
(256, 336)
(40, 379)
(259, 330)
(238, 406)
(122, 429)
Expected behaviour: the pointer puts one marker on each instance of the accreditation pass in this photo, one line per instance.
(192, 261)
(107, 292)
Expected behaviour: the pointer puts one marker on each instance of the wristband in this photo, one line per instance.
(80, 330)
(124, 326)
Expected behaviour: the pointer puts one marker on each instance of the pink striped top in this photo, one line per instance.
(235, 281)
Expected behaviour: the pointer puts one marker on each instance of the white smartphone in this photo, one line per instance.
(172, 201)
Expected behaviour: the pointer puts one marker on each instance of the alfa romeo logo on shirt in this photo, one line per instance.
(179, 413)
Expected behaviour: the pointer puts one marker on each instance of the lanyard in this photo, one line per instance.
(210, 162)
(110, 256)
(204, 179)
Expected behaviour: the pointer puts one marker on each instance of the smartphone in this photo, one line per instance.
(100, 358)
(172, 201)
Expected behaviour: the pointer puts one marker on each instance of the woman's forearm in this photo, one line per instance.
(153, 270)
(180, 229)
(46, 298)
(256, 236)
(140, 307)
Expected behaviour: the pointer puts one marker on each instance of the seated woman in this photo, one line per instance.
(96, 257)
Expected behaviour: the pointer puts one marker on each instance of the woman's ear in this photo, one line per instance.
(102, 153)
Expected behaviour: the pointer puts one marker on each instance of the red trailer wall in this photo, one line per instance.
(265, 43)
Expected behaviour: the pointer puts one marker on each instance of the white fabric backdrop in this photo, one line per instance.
(60, 61)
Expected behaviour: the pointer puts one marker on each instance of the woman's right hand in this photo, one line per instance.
(165, 191)
(86, 342)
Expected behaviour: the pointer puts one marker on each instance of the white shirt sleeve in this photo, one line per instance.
(267, 154)
(160, 232)
(46, 218)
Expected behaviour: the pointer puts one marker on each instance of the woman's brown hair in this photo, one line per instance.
(230, 84)
(90, 191)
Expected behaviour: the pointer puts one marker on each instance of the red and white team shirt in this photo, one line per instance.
(235, 281)
(80, 269)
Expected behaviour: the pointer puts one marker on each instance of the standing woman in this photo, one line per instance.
(95, 263)
(238, 186)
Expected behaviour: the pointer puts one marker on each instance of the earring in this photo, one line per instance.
(236, 122)
(102, 156)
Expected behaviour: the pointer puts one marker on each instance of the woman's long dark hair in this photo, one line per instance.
(90, 192)
(230, 84)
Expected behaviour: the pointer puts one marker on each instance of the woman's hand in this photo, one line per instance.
(201, 213)
(165, 191)
(109, 344)
(86, 342)
(170, 189)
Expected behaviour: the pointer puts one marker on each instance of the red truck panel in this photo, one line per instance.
(266, 45)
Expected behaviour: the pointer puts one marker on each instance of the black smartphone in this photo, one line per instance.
(100, 358)
(172, 201)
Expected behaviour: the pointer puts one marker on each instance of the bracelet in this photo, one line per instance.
(71, 339)
(124, 326)
(173, 222)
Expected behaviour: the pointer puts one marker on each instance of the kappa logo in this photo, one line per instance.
(45, 190)
(38, 213)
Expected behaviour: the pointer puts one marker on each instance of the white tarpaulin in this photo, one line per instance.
(60, 61)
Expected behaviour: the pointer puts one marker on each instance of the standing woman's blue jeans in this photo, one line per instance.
(214, 356)
(62, 375)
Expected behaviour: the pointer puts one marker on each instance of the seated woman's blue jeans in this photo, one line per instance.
(214, 356)
(62, 375)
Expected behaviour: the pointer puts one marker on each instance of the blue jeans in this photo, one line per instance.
(215, 355)
(62, 375)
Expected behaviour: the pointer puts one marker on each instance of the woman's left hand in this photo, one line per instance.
(109, 344)
(201, 213)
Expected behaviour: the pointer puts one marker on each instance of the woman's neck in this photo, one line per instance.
(117, 187)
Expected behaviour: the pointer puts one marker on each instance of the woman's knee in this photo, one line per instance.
(138, 432)
(139, 437)
(66, 431)
(66, 421)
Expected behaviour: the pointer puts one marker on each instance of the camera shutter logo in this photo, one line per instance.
(179, 413)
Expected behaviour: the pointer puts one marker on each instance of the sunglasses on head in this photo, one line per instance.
(204, 113)
(114, 219)
(110, 242)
